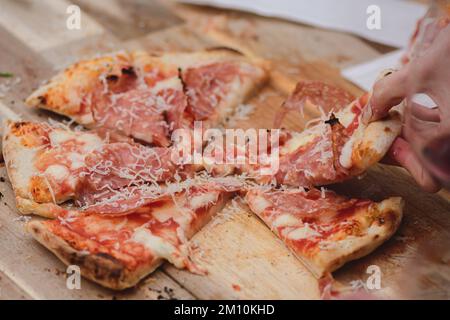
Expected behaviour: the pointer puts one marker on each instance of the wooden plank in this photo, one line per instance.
(42, 24)
(41, 27)
(244, 260)
(178, 38)
(40, 275)
(130, 19)
(10, 290)
(28, 68)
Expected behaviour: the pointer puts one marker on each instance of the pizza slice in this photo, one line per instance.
(117, 250)
(124, 92)
(146, 96)
(49, 165)
(217, 81)
(44, 164)
(325, 230)
(333, 148)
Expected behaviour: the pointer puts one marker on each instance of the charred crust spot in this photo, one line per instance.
(76, 258)
(387, 129)
(180, 76)
(106, 256)
(116, 273)
(18, 125)
(112, 78)
(165, 116)
(42, 99)
(129, 71)
(333, 120)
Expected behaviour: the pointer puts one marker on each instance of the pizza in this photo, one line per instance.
(325, 230)
(146, 96)
(117, 202)
(117, 250)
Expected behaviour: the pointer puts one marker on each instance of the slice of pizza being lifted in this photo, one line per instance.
(146, 96)
(117, 250)
(334, 148)
(325, 230)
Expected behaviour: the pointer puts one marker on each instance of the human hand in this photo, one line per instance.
(424, 146)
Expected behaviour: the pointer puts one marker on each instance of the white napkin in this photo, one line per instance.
(365, 74)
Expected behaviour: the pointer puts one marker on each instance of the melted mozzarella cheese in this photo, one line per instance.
(173, 82)
(284, 220)
(303, 232)
(88, 141)
(260, 204)
(57, 171)
(202, 200)
(298, 140)
(59, 136)
(91, 141)
(346, 116)
(156, 245)
(77, 160)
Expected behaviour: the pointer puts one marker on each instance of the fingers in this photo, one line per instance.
(402, 153)
(425, 114)
(388, 92)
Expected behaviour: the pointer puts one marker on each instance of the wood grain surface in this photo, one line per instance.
(244, 259)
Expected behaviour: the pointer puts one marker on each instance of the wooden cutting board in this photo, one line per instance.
(245, 260)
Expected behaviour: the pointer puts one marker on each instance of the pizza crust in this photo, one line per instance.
(100, 268)
(376, 140)
(20, 169)
(388, 220)
(23, 145)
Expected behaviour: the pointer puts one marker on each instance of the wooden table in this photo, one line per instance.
(245, 260)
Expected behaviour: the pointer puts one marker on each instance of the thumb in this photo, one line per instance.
(388, 92)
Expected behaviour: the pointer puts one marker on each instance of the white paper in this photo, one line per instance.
(365, 74)
(398, 17)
